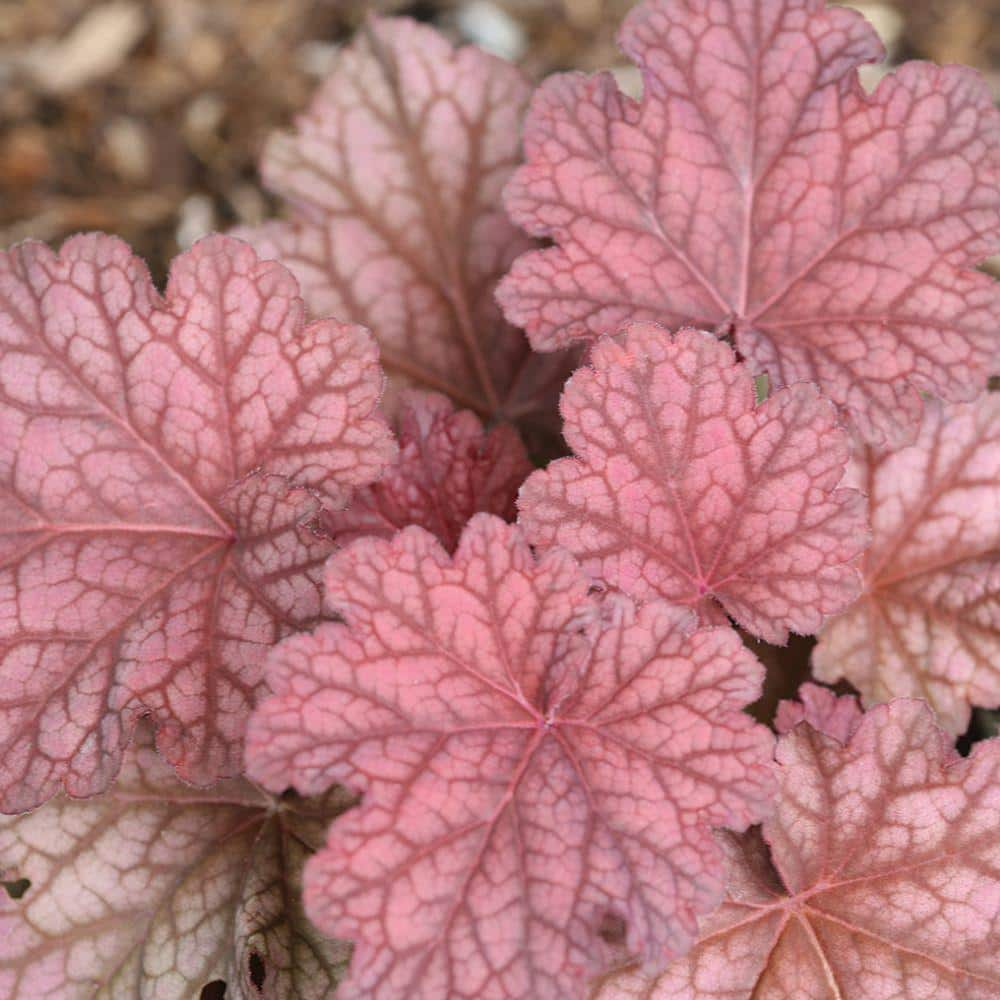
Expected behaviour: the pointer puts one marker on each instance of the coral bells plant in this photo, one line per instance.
(325, 672)
(832, 894)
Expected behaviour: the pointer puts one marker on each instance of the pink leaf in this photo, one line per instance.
(156, 889)
(758, 190)
(449, 468)
(834, 716)
(928, 623)
(533, 761)
(877, 878)
(393, 182)
(145, 563)
(682, 488)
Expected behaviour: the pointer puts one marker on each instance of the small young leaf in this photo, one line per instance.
(877, 878)
(156, 889)
(448, 469)
(146, 560)
(928, 622)
(834, 716)
(683, 488)
(393, 182)
(757, 190)
(537, 764)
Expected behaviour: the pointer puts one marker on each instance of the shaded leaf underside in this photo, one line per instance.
(393, 179)
(157, 889)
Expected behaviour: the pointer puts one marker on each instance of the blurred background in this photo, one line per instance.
(146, 117)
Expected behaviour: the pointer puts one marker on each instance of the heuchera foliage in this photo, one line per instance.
(683, 489)
(928, 624)
(146, 561)
(448, 469)
(545, 721)
(877, 878)
(827, 713)
(393, 181)
(756, 190)
(534, 760)
(156, 889)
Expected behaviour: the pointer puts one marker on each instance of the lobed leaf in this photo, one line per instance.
(535, 762)
(153, 454)
(876, 879)
(448, 469)
(156, 889)
(392, 180)
(757, 190)
(928, 622)
(836, 716)
(682, 488)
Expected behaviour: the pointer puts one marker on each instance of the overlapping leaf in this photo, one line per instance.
(757, 190)
(833, 715)
(448, 469)
(146, 560)
(156, 889)
(393, 181)
(534, 763)
(682, 488)
(928, 623)
(877, 879)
